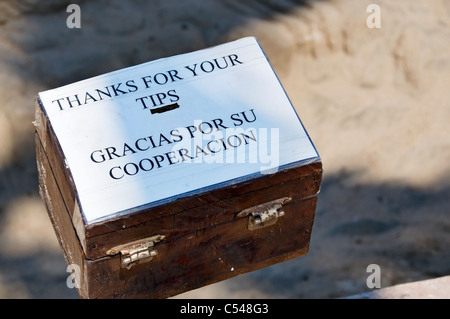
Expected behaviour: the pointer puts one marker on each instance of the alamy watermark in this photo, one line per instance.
(374, 19)
(196, 144)
(74, 19)
(374, 279)
(232, 145)
(74, 279)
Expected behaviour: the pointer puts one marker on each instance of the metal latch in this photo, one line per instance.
(265, 214)
(133, 252)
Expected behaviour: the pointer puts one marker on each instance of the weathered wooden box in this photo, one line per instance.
(177, 173)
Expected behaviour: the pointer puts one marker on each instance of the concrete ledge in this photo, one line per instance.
(438, 288)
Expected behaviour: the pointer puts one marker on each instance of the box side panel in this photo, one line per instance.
(60, 217)
(206, 256)
(61, 172)
(54, 154)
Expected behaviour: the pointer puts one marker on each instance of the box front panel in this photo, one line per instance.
(206, 256)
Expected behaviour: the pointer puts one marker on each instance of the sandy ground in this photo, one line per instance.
(376, 103)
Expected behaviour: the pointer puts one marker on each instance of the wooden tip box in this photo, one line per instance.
(176, 173)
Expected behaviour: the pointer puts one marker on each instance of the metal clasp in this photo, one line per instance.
(265, 214)
(133, 252)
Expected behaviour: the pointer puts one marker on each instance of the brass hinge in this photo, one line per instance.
(133, 252)
(265, 214)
